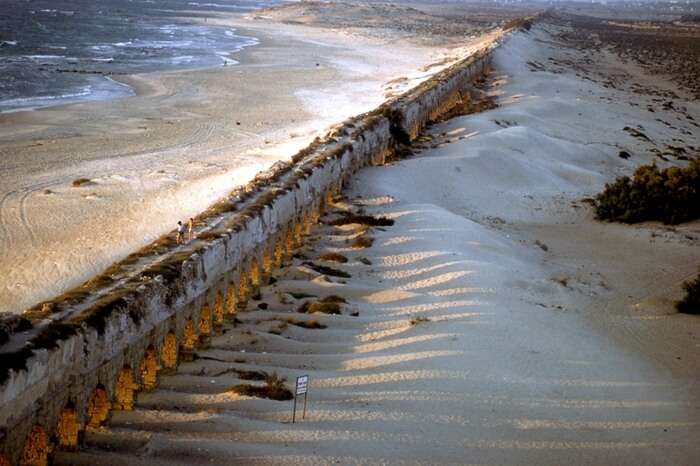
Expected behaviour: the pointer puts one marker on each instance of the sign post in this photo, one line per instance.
(302, 388)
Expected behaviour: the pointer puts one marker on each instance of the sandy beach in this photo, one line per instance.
(495, 322)
(185, 140)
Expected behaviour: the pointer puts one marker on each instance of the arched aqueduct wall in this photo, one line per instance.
(93, 356)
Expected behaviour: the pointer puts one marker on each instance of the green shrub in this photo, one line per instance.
(690, 304)
(671, 195)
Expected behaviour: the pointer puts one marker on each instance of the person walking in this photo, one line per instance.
(180, 236)
(190, 229)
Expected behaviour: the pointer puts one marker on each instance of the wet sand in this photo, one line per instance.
(187, 139)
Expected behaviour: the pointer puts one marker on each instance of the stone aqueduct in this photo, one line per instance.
(103, 352)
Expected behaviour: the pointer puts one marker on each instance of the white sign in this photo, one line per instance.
(302, 384)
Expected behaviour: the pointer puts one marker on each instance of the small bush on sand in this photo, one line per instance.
(690, 304)
(671, 195)
(309, 324)
(334, 299)
(330, 271)
(323, 308)
(334, 257)
(279, 329)
(81, 182)
(419, 320)
(274, 389)
(362, 242)
(301, 295)
(348, 219)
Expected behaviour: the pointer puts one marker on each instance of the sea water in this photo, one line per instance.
(61, 51)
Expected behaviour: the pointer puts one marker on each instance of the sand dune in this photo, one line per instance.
(472, 344)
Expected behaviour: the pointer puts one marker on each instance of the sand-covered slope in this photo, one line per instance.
(496, 322)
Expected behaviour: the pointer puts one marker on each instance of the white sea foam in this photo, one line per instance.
(225, 56)
(52, 58)
(100, 88)
(217, 5)
(7, 42)
(182, 59)
(39, 100)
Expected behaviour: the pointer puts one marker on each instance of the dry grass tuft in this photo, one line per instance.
(330, 271)
(350, 219)
(309, 324)
(690, 304)
(14, 361)
(279, 329)
(274, 389)
(334, 257)
(419, 320)
(12, 324)
(362, 242)
(97, 315)
(319, 307)
(81, 182)
(300, 295)
(333, 299)
(541, 245)
(563, 281)
(51, 335)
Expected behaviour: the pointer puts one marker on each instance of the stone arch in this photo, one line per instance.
(316, 212)
(289, 241)
(189, 337)
(254, 274)
(205, 320)
(218, 309)
(124, 390)
(267, 262)
(298, 232)
(306, 221)
(242, 289)
(168, 354)
(98, 407)
(36, 448)
(149, 369)
(278, 254)
(67, 429)
(231, 299)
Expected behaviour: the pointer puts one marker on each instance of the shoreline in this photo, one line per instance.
(79, 77)
(126, 80)
(177, 134)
